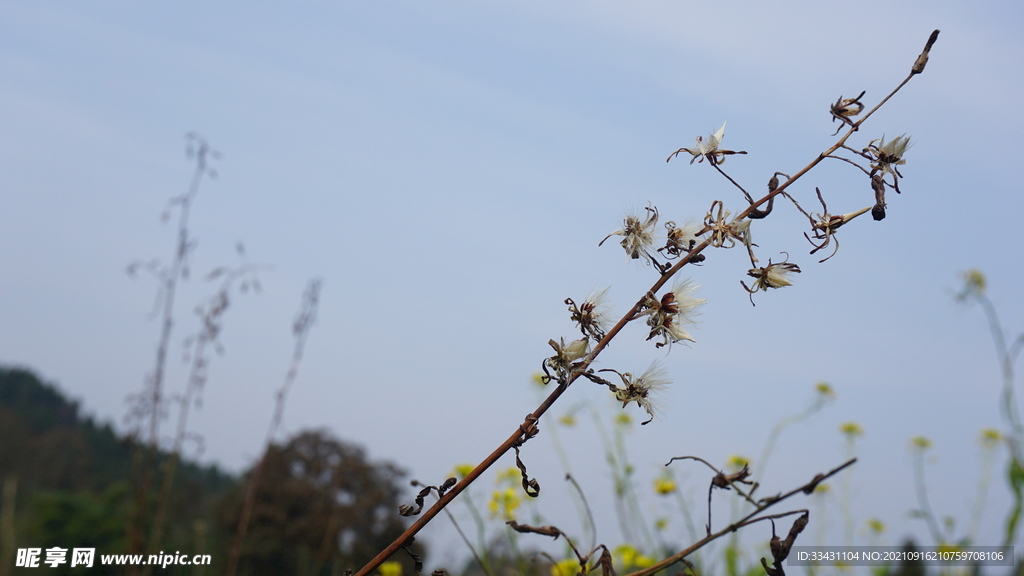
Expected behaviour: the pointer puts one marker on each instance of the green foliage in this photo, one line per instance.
(71, 474)
(49, 446)
(40, 405)
(84, 519)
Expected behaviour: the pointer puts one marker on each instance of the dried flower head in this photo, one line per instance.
(707, 149)
(637, 234)
(824, 226)
(643, 389)
(892, 151)
(770, 276)
(846, 108)
(668, 316)
(725, 232)
(886, 156)
(565, 356)
(681, 239)
(776, 275)
(592, 315)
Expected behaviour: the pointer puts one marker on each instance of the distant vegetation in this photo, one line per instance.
(71, 476)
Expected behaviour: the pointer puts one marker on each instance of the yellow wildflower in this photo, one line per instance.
(737, 462)
(462, 470)
(567, 567)
(509, 476)
(628, 557)
(851, 430)
(920, 443)
(989, 437)
(390, 569)
(664, 486)
(504, 503)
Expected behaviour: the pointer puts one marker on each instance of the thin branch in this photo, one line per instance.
(472, 550)
(722, 172)
(583, 366)
(301, 326)
(865, 170)
(745, 521)
(586, 506)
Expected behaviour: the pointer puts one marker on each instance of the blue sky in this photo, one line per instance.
(448, 170)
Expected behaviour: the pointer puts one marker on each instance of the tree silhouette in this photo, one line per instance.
(321, 506)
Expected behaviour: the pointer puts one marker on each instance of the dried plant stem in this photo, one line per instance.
(631, 315)
(212, 316)
(300, 329)
(745, 521)
(170, 466)
(152, 398)
(483, 566)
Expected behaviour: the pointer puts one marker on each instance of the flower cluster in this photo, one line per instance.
(505, 500)
(630, 559)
